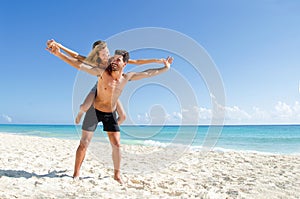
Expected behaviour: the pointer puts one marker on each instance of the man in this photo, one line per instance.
(102, 61)
(111, 82)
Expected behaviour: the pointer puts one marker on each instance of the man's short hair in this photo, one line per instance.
(124, 54)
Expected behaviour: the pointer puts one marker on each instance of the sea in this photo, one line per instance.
(269, 139)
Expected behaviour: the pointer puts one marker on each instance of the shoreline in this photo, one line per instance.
(35, 167)
(154, 143)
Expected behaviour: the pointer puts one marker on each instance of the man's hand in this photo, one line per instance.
(167, 62)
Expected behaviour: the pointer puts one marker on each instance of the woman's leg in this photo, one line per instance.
(84, 107)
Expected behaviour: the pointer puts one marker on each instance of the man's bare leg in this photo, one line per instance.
(114, 138)
(85, 140)
(84, 107)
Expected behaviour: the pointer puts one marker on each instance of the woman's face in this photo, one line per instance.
(104, 55)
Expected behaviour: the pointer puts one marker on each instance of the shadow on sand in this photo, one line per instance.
(25, 174)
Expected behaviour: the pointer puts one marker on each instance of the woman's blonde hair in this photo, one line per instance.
(93, 57)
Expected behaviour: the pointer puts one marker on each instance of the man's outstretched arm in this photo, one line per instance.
(145, 61)
(151, 72)
(55, 50)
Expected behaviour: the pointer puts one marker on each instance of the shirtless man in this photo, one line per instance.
(111, 82)
(102, 61)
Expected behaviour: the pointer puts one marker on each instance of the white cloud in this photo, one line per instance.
(260, 115)
(232, 114)
(177, 115)
(296, 109)
(283, 110)
(204, 113)
(190, 115)
(282, 113)
(235, 113)
(143, 118)
(287, 113)
(7, 118)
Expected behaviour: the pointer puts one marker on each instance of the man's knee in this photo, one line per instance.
(116, 145)
(85, 139)
(84, 143)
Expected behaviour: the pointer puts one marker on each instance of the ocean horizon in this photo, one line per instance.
(271, 139)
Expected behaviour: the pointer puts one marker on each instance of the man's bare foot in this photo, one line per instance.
(117, 176)
(76, 174)
(76, 178)
(78, 117)
(119, 180)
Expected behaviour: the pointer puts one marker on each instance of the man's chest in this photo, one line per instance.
(108, 83)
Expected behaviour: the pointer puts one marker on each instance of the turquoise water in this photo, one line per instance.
(278, 139)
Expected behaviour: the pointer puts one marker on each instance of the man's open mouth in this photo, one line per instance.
(114, 66)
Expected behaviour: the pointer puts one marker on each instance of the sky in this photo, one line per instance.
(253, 44)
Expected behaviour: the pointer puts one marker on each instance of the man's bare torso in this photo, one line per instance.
(109, 91)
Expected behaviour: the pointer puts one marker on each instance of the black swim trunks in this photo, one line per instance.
(94, 116)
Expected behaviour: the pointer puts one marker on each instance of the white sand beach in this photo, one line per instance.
(34, 167)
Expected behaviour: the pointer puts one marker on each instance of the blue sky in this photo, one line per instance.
(254, 44)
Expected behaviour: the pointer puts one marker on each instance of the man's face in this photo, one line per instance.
(104, 55)
(117, 62)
